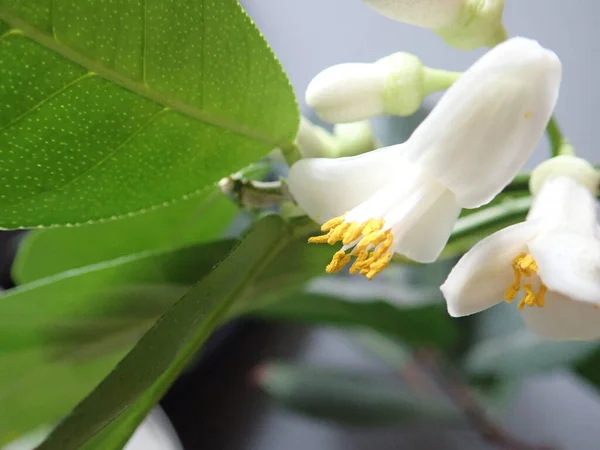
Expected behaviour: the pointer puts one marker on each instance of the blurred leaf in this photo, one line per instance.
(392, 351)
(476, 224)
(427, 325)
(348, 398)
(117, 107)
(589, 367)
(169, 345)
(503, 346)
(61, 335)
(51, 251)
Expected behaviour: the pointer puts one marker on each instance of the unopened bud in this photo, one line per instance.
(314, 141)
(348, 139)
(465, 24)
(573, 167)
(395, 85)
(355, 138)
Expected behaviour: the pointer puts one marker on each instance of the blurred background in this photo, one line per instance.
(217, 406)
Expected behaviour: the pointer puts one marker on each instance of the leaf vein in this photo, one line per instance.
(59, 91)
(139, 88)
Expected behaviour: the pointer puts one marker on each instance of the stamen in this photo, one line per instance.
(340, 259)
(524, 266)
(332, 223)
(513, 289)
(318, 239)
(372, 252)
(353, 232)
(336, 234)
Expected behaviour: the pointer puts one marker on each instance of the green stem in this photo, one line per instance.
(559, 145)
(438, 80)
(291, 154)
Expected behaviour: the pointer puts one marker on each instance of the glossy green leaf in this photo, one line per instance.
(424, 325)
(68, 331)
(503, 346)
(164, 351)
(108, 108)
(349, 398)
(51, 251)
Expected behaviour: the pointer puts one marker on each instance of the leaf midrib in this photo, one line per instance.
(138, 88)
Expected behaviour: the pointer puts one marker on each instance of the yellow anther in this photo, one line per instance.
(359, 262)
(336, 234)
(332, 223)
(318, 239)
(372, 225)
(339, 260)
(540, 297)
(527, 265)
(384, 246)
(372, 252)
(524, 266)
(513, 289)
(374, 239)
(353, 232)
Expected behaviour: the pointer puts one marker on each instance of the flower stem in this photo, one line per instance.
(459, 393)
(438, 80)
(559, 145)
(291, 154)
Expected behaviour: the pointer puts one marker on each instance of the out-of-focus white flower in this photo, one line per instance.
(553, 258)
(405, 198)
(348, 139)
(395, 84)
(465, 24)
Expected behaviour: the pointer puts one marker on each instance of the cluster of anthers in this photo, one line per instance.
(367, 241)
(524, 266)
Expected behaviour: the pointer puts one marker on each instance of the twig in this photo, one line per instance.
(462, 397)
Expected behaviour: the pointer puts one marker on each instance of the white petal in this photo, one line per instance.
(563, 318)
(348, 92)
(564, 205)
(426, 239)
(480, 278)
(423, 13)
(569, 264)
(327, 188)
(488, 123)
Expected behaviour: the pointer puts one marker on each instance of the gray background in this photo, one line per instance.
(310, 35)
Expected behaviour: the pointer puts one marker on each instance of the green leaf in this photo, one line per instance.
(51, 251)
(504, 347)
(108, 108)
(165, 350)
(427, 325)
(68, 331)
(349, 398)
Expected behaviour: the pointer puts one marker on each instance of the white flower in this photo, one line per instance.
(405, 198)
(395, 84)
(465, 24)
(553, 257)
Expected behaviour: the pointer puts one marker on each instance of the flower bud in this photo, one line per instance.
(577, 169)
(465, 24)
(355, 138)
(314, 141)
(348, 139)
(395, 85)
